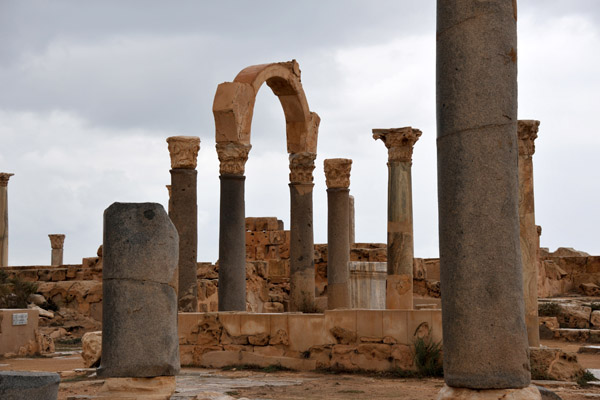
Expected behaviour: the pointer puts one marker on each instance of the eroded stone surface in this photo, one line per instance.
(233, 157)
(337, 172)
(451, 393)
(25, 385)
(183, 151)
(399, 141)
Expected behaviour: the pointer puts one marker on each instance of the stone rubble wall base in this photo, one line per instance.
(376, 340)
(451, 393)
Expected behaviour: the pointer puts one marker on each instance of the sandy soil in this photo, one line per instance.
(286, 385)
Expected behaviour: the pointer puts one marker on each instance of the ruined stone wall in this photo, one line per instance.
(568, 271)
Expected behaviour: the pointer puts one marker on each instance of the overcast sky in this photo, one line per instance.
(89, 91)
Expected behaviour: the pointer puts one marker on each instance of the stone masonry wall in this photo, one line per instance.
(375, 340)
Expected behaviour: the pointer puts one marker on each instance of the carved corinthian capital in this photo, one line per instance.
(399, 141)
(183, 151)
(527, 130)
(233, 157)
(301, 167)
(337, 172)
(57, 241)
(4, 177)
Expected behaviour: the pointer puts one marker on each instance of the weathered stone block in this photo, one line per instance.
(140, 250)
(254, 324)
(91, 344)
(25, 385)
(307, 330)
(554, 364)
(394, 324)
(369, 323)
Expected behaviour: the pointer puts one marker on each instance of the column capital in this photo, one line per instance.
(399, 141)
(527, 130)
(183, 151)
(57, 240)
(233, 157)
(337, 172)
(4, 177)
(301, 167)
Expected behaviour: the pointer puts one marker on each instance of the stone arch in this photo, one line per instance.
(233, 106)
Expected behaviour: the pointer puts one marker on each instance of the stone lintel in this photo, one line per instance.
(183, 151)
(527, 130)
(4, 177)
(301, 167)
(57, 240)
(399, 141)
(337, 172)
(233, 157)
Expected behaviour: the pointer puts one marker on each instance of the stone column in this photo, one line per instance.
(4, 177)
(139, 299)
(232, 227)
(302, 264)
(400, 244)
(183, 211)
(337, 176)
(527, 133)
(169, 190)
(484, 335)
(56, 242)
(351, 222)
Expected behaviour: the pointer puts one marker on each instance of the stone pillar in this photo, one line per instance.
(183, 211)
(169, 190)
(302, 264)
(4, 177)
(527, 133)
(337, 176)
(351, 222)
(56, 242)
(484, 334)
(367, 284)
(400, 244)
(139, 299)
(232, 227)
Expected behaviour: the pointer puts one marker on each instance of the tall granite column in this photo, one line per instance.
(484, 336)
(232, 227)
(337, 177)
(302, 264)
(183, 211)
(56, 242)
(400, 244)
(351, 221)
(527, 133)
(4, 177)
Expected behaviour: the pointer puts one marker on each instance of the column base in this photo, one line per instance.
(399, 292)
(158, 388)
(530, 392)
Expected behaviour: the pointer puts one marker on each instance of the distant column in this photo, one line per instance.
(527, 131)
(183, 211)
(337, 175)
(351, 222)
(302, 264)
(56, 242)
(232, 227)
(4, 177)
(400, 243)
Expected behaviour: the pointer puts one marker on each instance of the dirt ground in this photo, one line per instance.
(284, 385)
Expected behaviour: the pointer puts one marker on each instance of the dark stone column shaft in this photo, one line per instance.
(232, 244)
(184, 214)
(302, 264)
(485, 341)
(338, 249)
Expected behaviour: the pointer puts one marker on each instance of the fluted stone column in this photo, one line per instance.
(56, 242)
(337, 176)
(302, 265)
(351, 221)
(232, 227)
(4, 177)
(484, 334)
(527, 133)
(400, 243)
(183, 211)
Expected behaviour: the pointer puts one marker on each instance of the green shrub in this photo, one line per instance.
(14, 291)
(427, 356)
